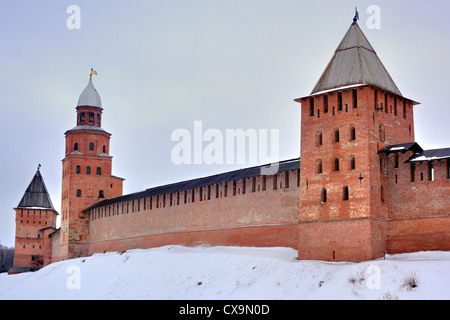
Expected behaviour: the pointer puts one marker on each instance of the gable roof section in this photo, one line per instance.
(430, 155)
(36, 195)
(286, 165)
(403, 148)
(355, 62)
(419, 155)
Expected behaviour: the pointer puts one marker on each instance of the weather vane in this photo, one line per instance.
(356, 18)
(92, 72)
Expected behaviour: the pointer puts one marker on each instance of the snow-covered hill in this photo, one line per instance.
(177, 272)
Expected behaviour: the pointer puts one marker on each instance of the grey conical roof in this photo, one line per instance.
(36, 195)
(355, 62)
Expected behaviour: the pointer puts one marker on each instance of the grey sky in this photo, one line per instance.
(164, 64)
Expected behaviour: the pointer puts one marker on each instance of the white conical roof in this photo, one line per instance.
(90, 97)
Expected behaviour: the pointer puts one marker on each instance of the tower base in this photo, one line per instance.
(357, 239)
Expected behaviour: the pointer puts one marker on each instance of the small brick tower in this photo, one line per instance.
(86, 176)
(35, 222)
(354, 111)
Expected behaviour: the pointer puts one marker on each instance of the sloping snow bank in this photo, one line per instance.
(177, 272)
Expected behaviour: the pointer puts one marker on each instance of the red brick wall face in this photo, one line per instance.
(418, 211)
(30, 239)
(254, 218)
(351, 171)
(90, 173)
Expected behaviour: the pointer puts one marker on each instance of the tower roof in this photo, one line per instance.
(36, 195)
(90, 97)
(355, 62)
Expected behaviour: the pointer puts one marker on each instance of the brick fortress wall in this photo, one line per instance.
(418, 198)
(259, 211)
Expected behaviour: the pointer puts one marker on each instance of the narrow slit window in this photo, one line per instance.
(323, 195)
(355, 98)
(318, 138)
(319, 166)
(352, 163)
(345, 193)
(412, 171)
(336, 164)
(352, 133)
(336, 135)
(286, 179)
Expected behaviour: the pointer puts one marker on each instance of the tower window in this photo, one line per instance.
(404, 109)
(88, 170)
(336, 164)
(78, 169)
(91, 146)
(336, 135)
(99, 171)
(325, 104)
(311, 106)
(104, 149)
(352, 163)
(339, 101)
(318, 138)
(91, 117)
(375, 99)
(75, 146)
(352, 133)
(412, 171)
(345, 193)
(101, 194)
(323, 195)
(319, 166)
(381, 133)
(395, 160)
(355, 98)
(82, 116)
(79, 193)
(386, 102)
(448, 168)
(98, 118)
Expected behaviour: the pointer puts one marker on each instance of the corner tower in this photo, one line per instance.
(354, 110)
(35, 222)
(87, 173)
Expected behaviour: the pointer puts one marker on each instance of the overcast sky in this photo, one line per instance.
(164, 64)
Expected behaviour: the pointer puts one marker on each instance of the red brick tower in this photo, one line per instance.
(354, 111)
(87, 177)
(35, 222)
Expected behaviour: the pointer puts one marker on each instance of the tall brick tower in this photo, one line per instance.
(86, 176)
(35, 222)
(354, 110)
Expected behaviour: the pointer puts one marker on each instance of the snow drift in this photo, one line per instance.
(237, 273)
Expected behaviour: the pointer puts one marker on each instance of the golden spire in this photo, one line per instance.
(92, 72)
